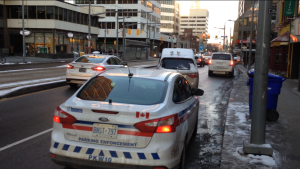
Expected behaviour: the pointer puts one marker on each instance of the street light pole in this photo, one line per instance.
(23, 34)
(105, 35)
(117, 31)
(257, 143)
(242, 37)
(224, 38)
(89, 36)
(250, 48)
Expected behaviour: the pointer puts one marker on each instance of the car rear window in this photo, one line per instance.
(90, 59)
(120, 89)
(176, 63)
(221, 56)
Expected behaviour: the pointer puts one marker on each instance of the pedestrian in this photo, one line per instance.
(11, 50)
(101, 52)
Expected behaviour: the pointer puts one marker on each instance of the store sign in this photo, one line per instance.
(245, 41)
(26, 32)
(289, 7)
(295, 31)
(296, 27)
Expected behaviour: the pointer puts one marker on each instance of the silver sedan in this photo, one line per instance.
(86, 66)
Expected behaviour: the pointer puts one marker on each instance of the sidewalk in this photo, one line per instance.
(22, 81)
(283, 135)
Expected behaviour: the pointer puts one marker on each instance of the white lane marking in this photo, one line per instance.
(25, 139)
(19, 70)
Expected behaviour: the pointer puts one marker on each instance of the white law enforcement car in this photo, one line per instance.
(143, 119)
(85, 67)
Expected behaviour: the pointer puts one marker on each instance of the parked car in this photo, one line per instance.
(200, 60)
(181, 61)
(221, 63)
(86, 66)
(139, 119)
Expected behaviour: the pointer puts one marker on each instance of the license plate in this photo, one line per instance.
(105, 130)
(218, 72)
(206, 58)
(220, 67)
(82, 69)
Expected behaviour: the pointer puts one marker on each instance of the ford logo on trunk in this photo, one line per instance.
(104, 119)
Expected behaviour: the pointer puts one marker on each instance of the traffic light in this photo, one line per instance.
(129, 31)
(208, 36)
(216, 37)
(115, 42)
(169, 39)
(203, 36)
(107, 31)
(104, 41)
(161, 38)
(138, 32)
(231, 37)
(121, 33)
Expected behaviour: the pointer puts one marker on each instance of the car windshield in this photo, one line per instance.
(124, 90)
(90, 59)
(221, 57)
(177, 63)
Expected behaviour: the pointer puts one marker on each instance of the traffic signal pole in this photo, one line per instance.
(258, 123)
(251, 31)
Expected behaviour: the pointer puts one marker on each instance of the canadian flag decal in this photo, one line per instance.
(142, 115)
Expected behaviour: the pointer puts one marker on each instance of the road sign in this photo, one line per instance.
(201, 48)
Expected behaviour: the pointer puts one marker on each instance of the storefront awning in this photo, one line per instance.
(282, 38)
(135, 43)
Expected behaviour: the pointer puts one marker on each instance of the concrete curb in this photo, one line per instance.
(33, 88)
(33, 63)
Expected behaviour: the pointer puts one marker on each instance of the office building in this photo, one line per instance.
(170, 17)
(196, 20)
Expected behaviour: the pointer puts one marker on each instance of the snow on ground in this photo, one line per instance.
(21, 70)
(4, 92)
(27, 82)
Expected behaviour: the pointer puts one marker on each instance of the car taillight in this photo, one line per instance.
(199, 60)
(193, 75)
(209, 62)
(231, 63)
(98, 68)
(63, 117)
(161, 125)
(70, 66)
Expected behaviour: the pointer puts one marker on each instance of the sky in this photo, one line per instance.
(219, 14)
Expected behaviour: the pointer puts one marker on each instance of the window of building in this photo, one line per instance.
(200, 21)
(184, 17)
(78, 18)
(69, 15)
(149, 5)
(82, 1)
(83, 19)
(50, 14)
(65, 15)
(143, 2)
(1, 13)
(127, 1)
(41, 12)
(56, 12)
(200, 24)
(184, 21)
(143, 14)
(106, 2)
(167, 10)
(74, 17)
(31, 12)
(113, 12)
(156, 9)
(183, 24)
(60, 14)
(191, 20)
(14, 12)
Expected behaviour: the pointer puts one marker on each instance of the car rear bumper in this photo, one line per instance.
(66, 161)
(159, 152)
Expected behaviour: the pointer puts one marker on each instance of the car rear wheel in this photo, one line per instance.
(73, 85)
(183, 156)
(231, 74)
(210, 73)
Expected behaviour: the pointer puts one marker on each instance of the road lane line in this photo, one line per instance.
(25, 139)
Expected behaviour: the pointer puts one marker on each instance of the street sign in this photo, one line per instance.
(201, 48)
(289, 7)
(272, 11)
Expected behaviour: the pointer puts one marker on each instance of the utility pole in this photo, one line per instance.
(117, 31)
(23, 34)
(124, 46)
(147, 35)
(258, 123)
(105, 35)
(230, 40)
(224, 38)
(242, 36)
(250, 48)
(89, 36)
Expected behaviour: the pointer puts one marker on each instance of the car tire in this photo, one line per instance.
(195, 128)
(183, 156)
(231, 74)
(73, 85)
(210, 73)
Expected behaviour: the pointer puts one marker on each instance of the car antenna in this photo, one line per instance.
(129, 74)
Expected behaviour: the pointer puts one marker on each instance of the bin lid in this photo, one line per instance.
(270, 76)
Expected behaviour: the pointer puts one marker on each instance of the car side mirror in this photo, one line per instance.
(197, 92)
(124, 63)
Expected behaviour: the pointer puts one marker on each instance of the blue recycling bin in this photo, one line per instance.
(274, 87)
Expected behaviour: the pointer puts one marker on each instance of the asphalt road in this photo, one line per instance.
(25, 116)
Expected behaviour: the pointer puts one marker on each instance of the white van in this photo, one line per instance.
(221, 63)
(182, 61)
